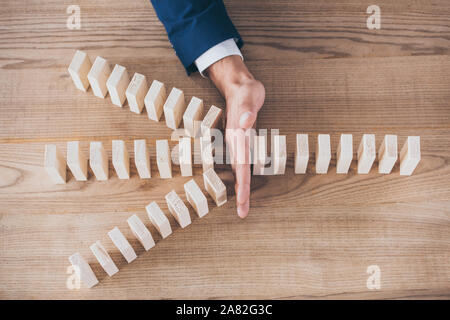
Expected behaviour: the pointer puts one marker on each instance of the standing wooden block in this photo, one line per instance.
(410, 155)
(104, 258)
(158, 219)
(141, 232)
(154, 100)
(142, 159)
(174, 108)
(215, 187)
(185, 156)
(259, 154)
(301, 153)
(178, 209)
(117, 84)
(121, 159)
(206, 153)
(122, 244)
(344, 154)
(79, 69)
(83, 270)
(163, 160)
(54, 164)
(192, 117)
(387, 154)
(323, 153)
(136, 91)
(366, 153)
(77, 161)
(98, 75)
(279, 156)
(196, 198)
(211, 120)
(98, 160)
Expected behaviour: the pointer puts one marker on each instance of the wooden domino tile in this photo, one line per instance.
(344, 153)
(301, 153)
(323, 153)
(259, 154)
(117, 84)
(98, 160)
(206, 153)
(77, 161)
(79, 69)
(215, 187)
(122, 244)
(83, 270)
(54, 164)
(178, 209)
(196, 198)
(410, 155)
(142, 159)
(192, 117)
(387, 154)
(366, 153)
(211, 120)
(121, 159)
(104, 258)
(98, 75)
(154, 100)
(279, 154)
(141, 232)
(185, 156)
(136, 92)
(174, 108)
(163, 159)
(158, 219)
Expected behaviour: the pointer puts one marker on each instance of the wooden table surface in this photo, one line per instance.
(307, 236)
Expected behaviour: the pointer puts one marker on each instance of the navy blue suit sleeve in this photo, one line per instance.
(194, 26)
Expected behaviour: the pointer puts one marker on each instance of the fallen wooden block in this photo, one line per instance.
(79, 69)
(98, 75)
(178, 209)
(154, 100)
(387, 154)
(366, 153)
(279, 154)
(98, 160)
(54, 164)
(136, 91)
(301, 153)
(142, 159)
(259, 154)
(196, 198)
(192, 117)
(344, 154)
(77, 161)
(158, 219)
(83, 270)
(122, 244)
(163, 160)
(185, 156)
(206, 153)
(211, 120)
(117, 84)
(174, 108)
(323, 153)
(104, 258)
(121, 159)
(141, 232)
(215, 187)
(410, 155)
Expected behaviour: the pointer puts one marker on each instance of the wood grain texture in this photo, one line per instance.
(307, 236)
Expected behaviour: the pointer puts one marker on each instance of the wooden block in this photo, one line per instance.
(366, 153)
(54, 164)
(154, 100)
(136, 91)
(104, 258)
(206, 153)
(387, 154)
(122, 244)
(323, 153)
(185, 156)
(98, 75)
(142, 159)
(98, 160)
(259, 154)
(83, 270)
(117, 84)
(178, 209)
(79, 69)
(211, 120)
(163, 160)
(77, 161)
(192, 117)
(215, 187)
(344, 154)
(301, 153)
(196, 198)
(279, 154)
(174, 108)
(158, 219)
(141, 232)
(121, 159)
(410, 155)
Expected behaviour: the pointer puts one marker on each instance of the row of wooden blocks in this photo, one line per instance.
(196, 198)
(138, 94)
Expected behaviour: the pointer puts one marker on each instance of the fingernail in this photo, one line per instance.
(241, 213)
(244, 118)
